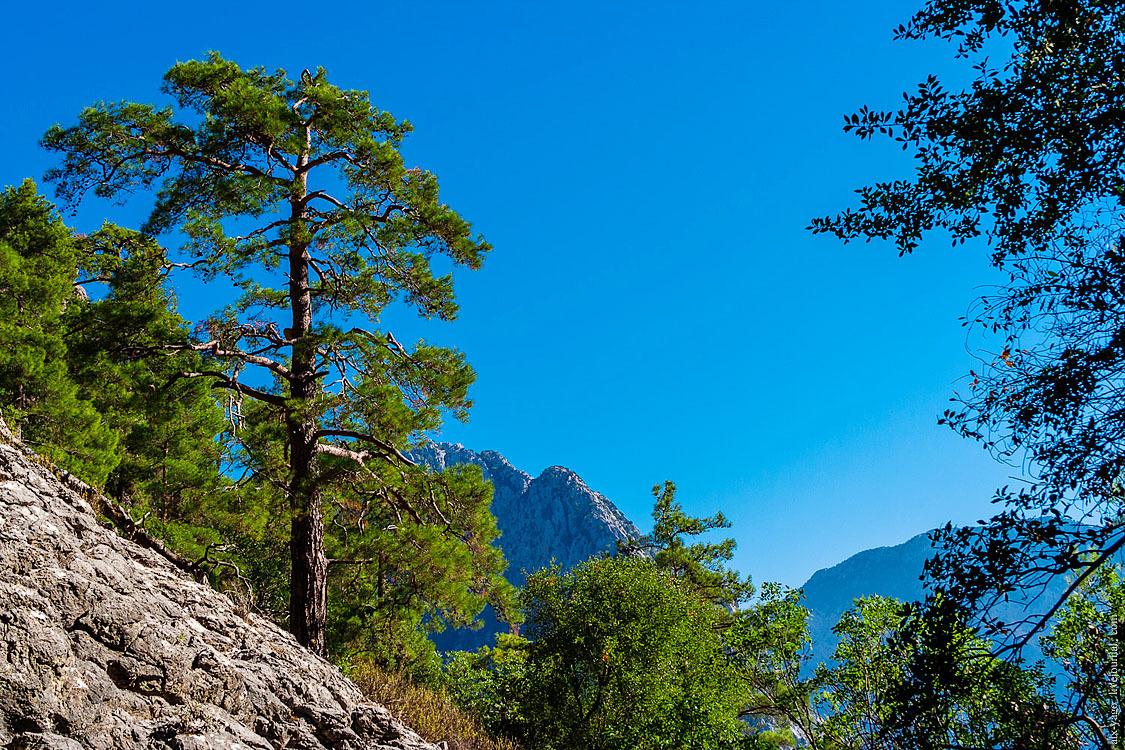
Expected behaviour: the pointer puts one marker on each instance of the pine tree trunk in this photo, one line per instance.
(307, 601)
(308, 589)
(308, 592)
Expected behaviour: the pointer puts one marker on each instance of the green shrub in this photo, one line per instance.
(619, 656)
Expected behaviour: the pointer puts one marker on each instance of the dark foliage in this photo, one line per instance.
(1030, 157)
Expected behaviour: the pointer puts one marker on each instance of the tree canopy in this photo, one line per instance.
(1030, 158)
(620, 657)
(39, 264)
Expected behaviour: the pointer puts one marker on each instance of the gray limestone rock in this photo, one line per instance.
(553, 516)
(105, 644)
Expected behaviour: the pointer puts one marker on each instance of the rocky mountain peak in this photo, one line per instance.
(554, 516)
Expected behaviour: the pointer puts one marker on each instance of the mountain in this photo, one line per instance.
(554, 516)
(557, 516)
(109, 646)
(886, 571)
(895, 572)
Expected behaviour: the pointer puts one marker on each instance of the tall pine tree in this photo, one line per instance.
(297, 192)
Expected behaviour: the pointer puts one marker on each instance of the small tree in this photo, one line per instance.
(622, 657)
(297, 193)
(765, 638)
(701, 567)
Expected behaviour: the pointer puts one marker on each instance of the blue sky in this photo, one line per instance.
(654, 307)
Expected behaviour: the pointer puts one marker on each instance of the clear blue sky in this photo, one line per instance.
(654, 307)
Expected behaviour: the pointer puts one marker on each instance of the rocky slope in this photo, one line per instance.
(105, 644)
(552, 516)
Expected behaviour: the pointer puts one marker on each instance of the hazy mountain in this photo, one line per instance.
(887, 571)
(891, 571)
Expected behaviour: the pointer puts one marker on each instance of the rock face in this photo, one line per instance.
(553, 516)
(106, 644)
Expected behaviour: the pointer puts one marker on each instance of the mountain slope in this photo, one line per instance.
(894, 571)
(106, 645)
(887, 571)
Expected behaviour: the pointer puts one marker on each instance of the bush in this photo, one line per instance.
(428, 711)
(619, 656)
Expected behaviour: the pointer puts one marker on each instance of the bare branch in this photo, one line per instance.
(262, 230)
(332, 156)
(215, 348)
(386, 448)
(229, 383)
(334, 450)
(169, 265)
(169, 152)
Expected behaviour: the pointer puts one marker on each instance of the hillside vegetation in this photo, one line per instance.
(275, 448)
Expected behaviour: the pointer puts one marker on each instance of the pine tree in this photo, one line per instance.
(297, 192)
(38, 263)
(168, 424)
(700, 567)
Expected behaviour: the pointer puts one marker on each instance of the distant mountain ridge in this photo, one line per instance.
(896, 571)
(555, 516)
(892, 571)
